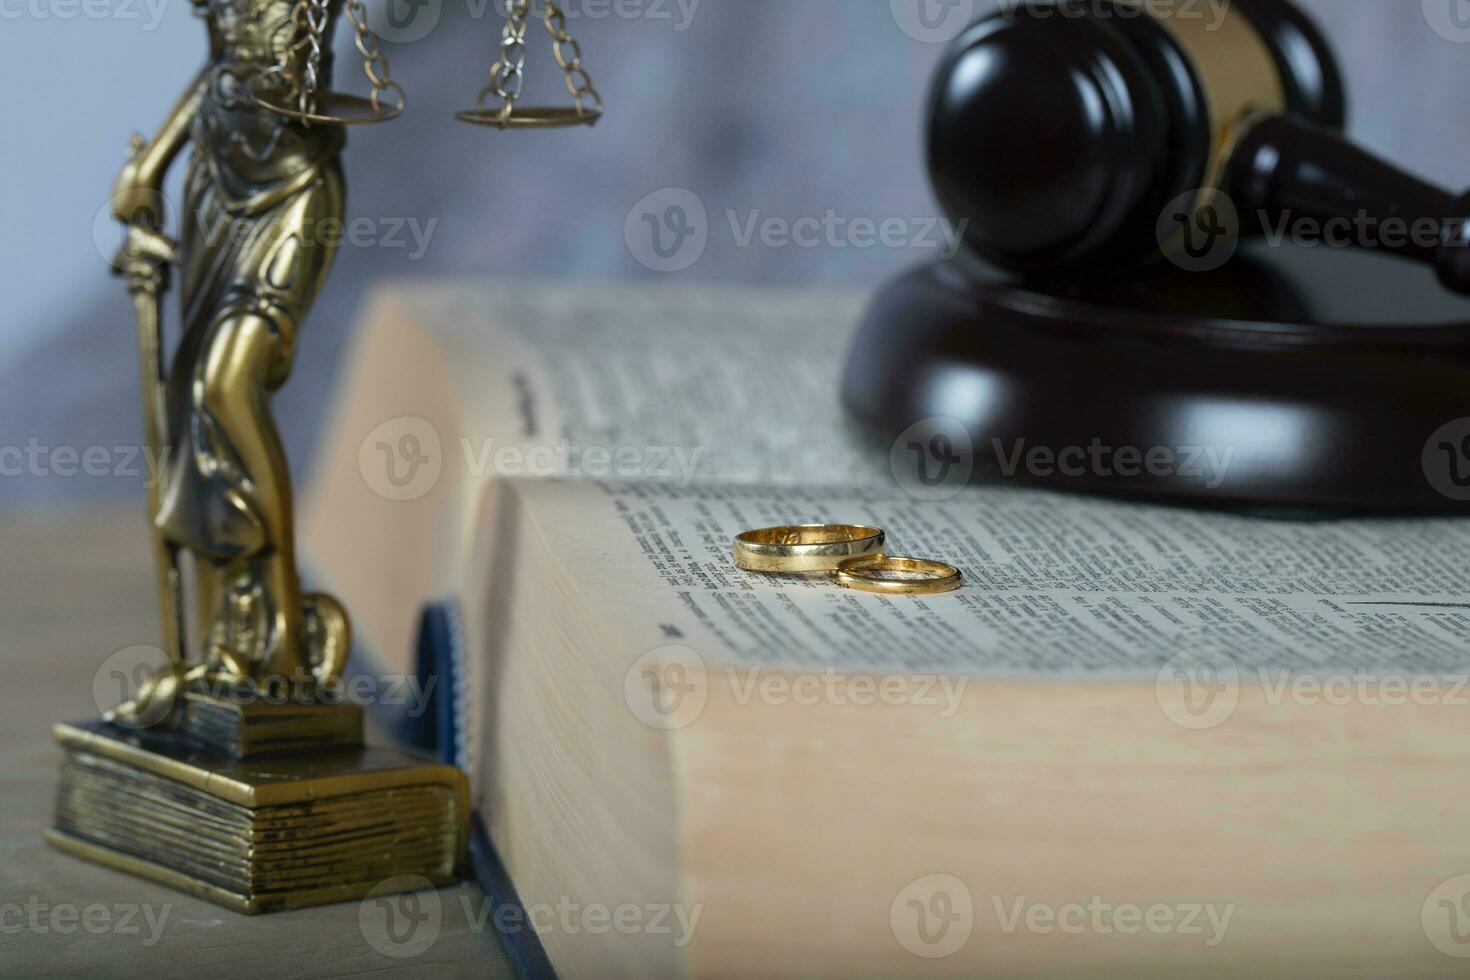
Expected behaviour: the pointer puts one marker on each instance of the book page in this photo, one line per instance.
(669, 384)
(1053, 583)
(702, 389)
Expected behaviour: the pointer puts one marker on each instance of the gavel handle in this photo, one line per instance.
(1283, 171)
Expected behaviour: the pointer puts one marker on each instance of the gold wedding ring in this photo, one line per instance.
(897, 576)
(806, 547)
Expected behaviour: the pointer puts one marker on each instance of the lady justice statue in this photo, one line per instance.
(262, 182)
(233, 794)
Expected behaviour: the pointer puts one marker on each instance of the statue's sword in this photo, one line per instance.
(144, 263)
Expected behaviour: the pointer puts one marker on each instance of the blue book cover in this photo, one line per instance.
(440, 658)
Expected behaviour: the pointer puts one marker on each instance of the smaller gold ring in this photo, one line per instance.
(897, 576)
(806, 547)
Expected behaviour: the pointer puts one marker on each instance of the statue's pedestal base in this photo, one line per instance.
(260, 834)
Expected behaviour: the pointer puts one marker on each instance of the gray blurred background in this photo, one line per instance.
(762, 108)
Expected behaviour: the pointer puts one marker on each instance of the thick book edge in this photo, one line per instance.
(441, 651)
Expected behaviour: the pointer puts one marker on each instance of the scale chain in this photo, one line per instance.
(316, 27)
(507, 74)
(579, 83)
(374, 61)
(298, 75)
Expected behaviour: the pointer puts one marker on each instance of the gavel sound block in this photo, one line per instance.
(1085, 148)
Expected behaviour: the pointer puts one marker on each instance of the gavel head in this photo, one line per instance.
(1060, 132)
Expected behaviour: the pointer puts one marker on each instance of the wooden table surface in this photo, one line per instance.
(75, 588)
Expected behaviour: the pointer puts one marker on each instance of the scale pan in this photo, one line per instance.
(332, 108)
(535, 117)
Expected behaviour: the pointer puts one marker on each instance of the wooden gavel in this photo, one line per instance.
(1060, 134)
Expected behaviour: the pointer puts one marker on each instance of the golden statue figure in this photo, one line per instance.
(250, 260)
(240, 774)
(263, 181)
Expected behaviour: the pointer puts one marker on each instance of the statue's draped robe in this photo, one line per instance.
(262, 215)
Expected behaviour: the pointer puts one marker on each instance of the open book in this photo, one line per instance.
(1139, 741)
